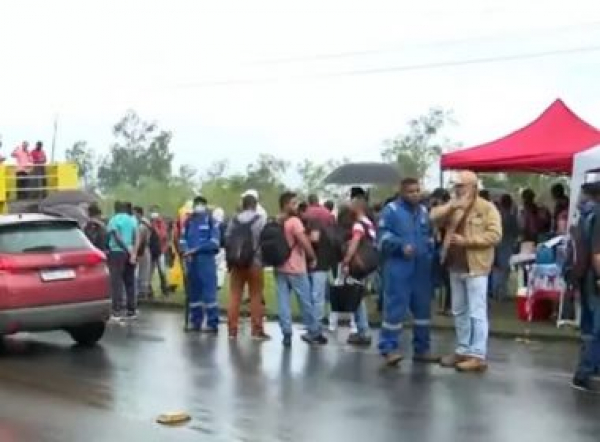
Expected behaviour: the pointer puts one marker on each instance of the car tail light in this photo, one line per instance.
(8, 264)
(94, 258)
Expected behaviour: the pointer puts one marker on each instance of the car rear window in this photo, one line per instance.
(41, 237)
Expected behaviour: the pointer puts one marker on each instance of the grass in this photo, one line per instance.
(270, 295)
(503, 320)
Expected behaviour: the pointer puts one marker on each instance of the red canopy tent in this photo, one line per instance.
(547, 145)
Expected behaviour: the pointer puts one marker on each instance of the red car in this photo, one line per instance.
(51, 277)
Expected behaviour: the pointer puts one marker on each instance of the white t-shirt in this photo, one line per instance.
(261, 210)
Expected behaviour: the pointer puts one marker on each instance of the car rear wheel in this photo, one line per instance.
(88, 335)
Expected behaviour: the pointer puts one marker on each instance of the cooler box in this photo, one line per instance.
(542, 305)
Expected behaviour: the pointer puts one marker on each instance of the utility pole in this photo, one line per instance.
(54, 138)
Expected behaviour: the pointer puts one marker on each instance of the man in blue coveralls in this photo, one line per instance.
(406, 242)
(587, 270)
(199, 243)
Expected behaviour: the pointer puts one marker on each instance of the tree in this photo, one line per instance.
(169, 196)
(421, 146)
(216, 172)
(267, 171)
(85, 159)
(141, 150)
(313, 174)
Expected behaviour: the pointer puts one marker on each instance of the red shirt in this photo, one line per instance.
(321, 214)
(38, 156)
(160, 226)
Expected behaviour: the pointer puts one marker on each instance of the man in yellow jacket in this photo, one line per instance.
(473, 229)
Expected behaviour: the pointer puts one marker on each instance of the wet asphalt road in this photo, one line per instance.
(245, 391)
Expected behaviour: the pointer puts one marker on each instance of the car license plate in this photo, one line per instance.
(57, 275)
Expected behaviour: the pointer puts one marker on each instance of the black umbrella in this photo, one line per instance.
(73, 197)
(364, 173)
(74, 212)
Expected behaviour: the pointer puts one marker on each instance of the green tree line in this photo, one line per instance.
(139, 167)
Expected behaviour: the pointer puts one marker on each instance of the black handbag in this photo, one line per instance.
(346, 295)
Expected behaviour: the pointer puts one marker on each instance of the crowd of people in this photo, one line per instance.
(136, 247)
(460, 241)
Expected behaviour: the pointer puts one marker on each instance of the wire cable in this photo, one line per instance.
(402, 68)
(392, 50)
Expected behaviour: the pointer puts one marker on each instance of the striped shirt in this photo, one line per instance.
(358, 229)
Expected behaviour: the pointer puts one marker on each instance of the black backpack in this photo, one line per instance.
(366, 259)
(97, 234)
(239, 247)
(274, 247)
(154, 243)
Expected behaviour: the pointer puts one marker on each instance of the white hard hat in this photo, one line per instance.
(250, 192)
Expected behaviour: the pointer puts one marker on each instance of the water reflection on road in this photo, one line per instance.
(247, 391)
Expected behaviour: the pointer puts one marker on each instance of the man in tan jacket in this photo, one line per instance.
(473, 228)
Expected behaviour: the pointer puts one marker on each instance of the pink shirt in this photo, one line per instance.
(23, 159)
(296, 263)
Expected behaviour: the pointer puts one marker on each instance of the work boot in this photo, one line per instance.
(585, 384)
(452, 360)
(314, 340)
(393, 359)
(214, 331)
(359, 340)
(427, 358)
(261, 336)
(287, 341)
(472, 365)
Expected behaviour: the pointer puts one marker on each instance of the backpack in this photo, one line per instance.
(545, 255)
(154, 242)
(144, 244)
(239, 247)
(366, 259)
(95, 231)
(274, 247)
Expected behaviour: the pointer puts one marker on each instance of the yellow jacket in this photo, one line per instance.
(483, 231)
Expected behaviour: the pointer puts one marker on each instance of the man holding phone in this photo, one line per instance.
(473, 229)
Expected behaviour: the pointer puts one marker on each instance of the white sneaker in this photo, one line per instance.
(353, 327)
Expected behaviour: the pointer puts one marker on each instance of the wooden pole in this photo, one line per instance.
(54, 138)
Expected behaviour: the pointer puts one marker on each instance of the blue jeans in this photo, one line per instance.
(299, 283)
(469, 307)
(361, 317)
(589, 360)
(318, 292)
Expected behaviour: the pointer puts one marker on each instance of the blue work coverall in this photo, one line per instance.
(589, 363)
(408, 280)
(201, 238)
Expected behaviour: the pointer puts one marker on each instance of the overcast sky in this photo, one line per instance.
(310, 79)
